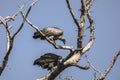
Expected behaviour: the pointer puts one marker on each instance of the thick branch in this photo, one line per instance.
(91, 40)
(55, 73)
(80, 50)
(73, 58)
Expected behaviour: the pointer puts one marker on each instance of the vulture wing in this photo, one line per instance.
(47, 61)
(51, 56)
(52, 31)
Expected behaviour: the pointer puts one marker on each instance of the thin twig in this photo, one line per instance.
(93, 67)
(9, 18)
(28, 11)
(9, 46)
(89, 3)
(102, 77)
(81, 67)
(72, 13)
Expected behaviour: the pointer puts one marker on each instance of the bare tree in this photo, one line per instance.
(10, 37)
(75, 54)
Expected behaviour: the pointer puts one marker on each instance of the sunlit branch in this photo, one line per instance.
(9, 45)
(74, 56)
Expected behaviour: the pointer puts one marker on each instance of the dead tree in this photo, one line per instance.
(74, 55)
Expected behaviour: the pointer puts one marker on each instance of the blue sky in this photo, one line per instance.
(55, 13)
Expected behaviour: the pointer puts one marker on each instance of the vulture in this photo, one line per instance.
(48, 61)
(54, 33)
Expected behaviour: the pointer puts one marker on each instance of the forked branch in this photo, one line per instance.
(74, 56)
(10, 38)
(102, 77)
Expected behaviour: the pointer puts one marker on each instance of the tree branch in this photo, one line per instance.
(72, 13)
(47, 38)
(82, 67)
(9, 45)
(91, 40)
(75, 55)
(11, 18)
(80, 50)
(102, 77)
(28, 11)
(92, 66)
(10, 38)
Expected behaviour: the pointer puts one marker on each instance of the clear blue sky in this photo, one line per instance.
(106, 15)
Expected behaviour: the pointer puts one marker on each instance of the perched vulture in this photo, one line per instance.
(48, 61)
(53, 33)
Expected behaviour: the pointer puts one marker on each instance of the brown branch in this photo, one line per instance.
(102, 77)
(47, 38)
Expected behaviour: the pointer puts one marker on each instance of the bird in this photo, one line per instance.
(48, 61)
(54, 33)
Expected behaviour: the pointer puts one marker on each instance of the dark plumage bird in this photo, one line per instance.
(48, 61)
(53, 33)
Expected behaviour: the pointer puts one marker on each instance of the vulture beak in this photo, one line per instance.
(62, 39)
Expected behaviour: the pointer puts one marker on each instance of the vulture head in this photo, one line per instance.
(48, 61)
(54, 33)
